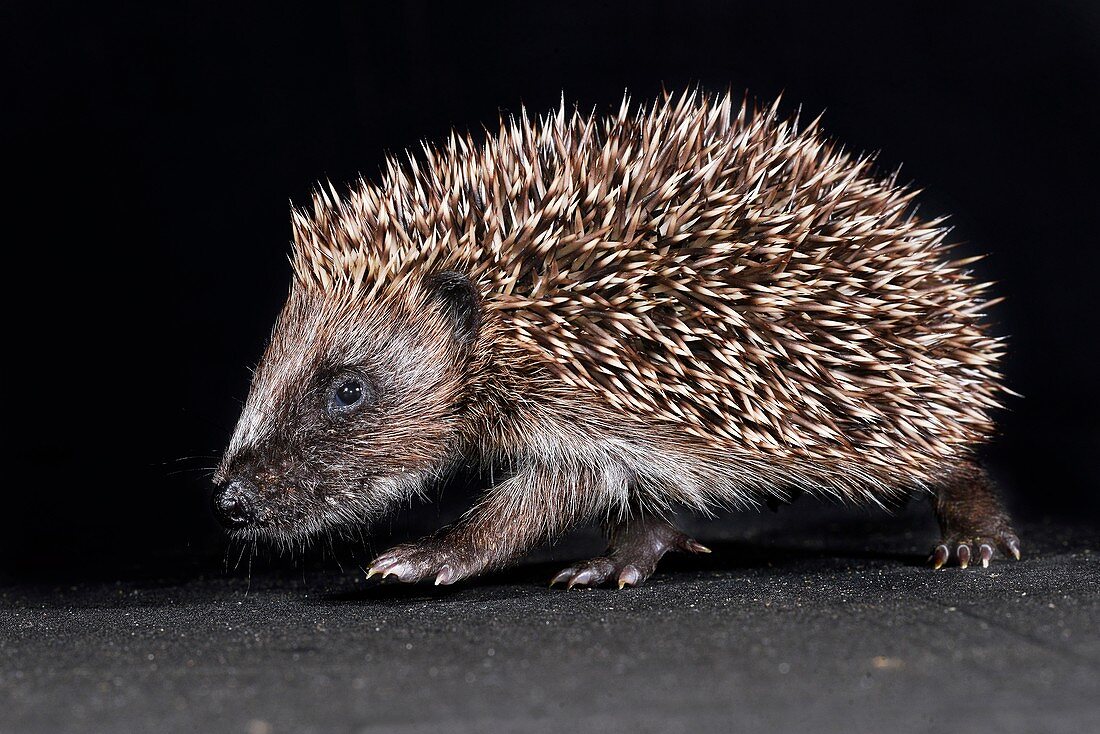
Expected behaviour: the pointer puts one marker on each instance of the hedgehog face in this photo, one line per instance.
(355, 403)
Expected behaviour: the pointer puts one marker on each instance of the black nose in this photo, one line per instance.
(233, 503)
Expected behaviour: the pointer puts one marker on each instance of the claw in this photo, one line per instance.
(630, 576)
(397, 569)
(986, 552)
(563, 576)
(963, 552)
(580, 579)
(694, 546)
(1014, 547)
(939, 556)
(446, 576)
(385, 566)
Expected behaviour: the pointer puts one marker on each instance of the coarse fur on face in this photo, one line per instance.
(315, 463)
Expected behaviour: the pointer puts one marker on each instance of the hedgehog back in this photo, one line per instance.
(694, 263)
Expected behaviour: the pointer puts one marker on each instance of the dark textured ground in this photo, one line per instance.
(806, 621)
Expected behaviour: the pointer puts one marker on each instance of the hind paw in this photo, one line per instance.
(598, 571)
(974, 550)
(637, 550)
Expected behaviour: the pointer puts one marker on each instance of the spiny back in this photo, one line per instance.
(696, 263)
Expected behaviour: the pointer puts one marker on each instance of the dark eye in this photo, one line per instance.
(350, 393)
(347, 395)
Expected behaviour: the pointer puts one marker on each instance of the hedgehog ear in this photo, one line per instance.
(459, 302)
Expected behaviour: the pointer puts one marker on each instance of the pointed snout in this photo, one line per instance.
(235, 503)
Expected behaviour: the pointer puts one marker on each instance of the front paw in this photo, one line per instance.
(427, 558)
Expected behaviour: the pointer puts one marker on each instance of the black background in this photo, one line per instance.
(154, 148)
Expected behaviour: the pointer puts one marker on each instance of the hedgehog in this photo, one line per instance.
(694, 305)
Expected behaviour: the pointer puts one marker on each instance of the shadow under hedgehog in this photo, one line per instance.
(692, 304)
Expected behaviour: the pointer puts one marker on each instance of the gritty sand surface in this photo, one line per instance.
(810, 621)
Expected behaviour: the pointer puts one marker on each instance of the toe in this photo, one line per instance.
(564, 575)
(691, 545)
(589, 573)
(583, 578)
(381, 567)
(963, 554)
(400, 570)
(447, 575)
(985, 552)
(940, 555)
(630, 576)
(1010, 545)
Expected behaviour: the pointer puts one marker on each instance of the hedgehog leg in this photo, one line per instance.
(513, 516)
(633, 552)
(972, 520)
